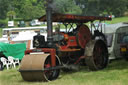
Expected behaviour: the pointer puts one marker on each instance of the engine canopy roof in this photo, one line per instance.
(69, 18)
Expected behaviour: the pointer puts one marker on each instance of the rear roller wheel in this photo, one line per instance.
(126, 58)
(96, 55)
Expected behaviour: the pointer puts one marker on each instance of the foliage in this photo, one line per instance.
(4, 5)
(96, 7)
(11, 15)
(66, 6)
(114, 7)
(26, 9)
(30, 9)
(3, 23)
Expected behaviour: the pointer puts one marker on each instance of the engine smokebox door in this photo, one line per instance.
(39, 41)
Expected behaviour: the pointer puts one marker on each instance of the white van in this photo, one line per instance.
(114, 34)
(35, 22)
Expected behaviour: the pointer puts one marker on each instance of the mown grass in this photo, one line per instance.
(0, 32)
(115, 74)
(117, 20)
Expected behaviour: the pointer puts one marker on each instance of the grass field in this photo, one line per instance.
(119, 19)
(0, 32)
(115, 74)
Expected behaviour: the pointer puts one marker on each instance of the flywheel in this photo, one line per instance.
(83, 36)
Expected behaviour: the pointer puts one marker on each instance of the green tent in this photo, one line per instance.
(15, 50)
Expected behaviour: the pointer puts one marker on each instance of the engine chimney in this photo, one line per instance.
(49, 23)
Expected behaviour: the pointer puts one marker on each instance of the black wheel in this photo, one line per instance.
(66, 65)
(51, 74)
(99, 57)
(1, 66)
(126, 58)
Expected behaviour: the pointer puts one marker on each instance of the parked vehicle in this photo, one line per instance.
(124, 46)
(114, 34)
(21, 24)
(10, 23)
(35, 22)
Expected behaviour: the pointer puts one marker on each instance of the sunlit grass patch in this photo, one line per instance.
(118, 19)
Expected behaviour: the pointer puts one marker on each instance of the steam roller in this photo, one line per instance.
(36, 67)
(67, 50)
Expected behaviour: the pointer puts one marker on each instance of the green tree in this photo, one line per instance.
(97, 7)
(66, 6)
(11, 15)
(113, 7)
(29, 9)
(4, 5)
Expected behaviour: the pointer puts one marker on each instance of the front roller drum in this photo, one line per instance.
(35, 67)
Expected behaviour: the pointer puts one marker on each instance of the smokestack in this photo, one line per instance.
(49, 23)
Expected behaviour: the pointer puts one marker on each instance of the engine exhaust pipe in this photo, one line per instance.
(49, 23)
